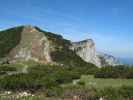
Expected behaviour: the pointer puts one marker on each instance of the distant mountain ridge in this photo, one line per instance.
(24, 43)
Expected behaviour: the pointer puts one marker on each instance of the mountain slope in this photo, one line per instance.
(28, 42)
(9, 39)
(60, 52)
(86, 50)
(32, 43)
(33, 46)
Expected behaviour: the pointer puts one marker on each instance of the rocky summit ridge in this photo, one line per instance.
(29, 42)
(87, 51)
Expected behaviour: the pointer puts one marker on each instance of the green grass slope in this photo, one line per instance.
(9, 39)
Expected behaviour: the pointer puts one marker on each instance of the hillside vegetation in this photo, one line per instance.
(119, 71)
(9, 39)
(38, 76)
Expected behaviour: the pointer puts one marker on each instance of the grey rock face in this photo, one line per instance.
(87, 51)
(33, 46)
(107, 59)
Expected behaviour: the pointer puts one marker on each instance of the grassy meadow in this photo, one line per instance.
(100, 83)
(46, 82)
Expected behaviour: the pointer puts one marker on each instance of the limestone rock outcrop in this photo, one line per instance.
(87, 51)
(33, 45)
(107, 59)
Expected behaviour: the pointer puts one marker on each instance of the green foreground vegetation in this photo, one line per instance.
(54, 82)
(100, 83)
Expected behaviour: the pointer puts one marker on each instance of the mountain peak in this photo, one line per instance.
(87, 40)
(86, 50)
(28, 25)
(29, 28)
(85, 43)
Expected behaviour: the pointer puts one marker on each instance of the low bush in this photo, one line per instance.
(38, 76)
(4, 69)
(108, 93)
(19, 82)
(7, 68)
(82, 83)
(120, 71)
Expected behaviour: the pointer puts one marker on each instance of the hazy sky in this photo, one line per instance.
(108, 22)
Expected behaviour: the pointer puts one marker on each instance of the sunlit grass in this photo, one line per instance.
(90, 81)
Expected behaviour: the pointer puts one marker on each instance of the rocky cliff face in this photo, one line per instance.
(87, 51)
(107, 59)
(29, 43)
(33, 45)
(26, 43)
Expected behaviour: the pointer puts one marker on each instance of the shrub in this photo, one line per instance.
(120, 71)
(54, 91)
(81, 83)
(19, 82)
(40, 76)
(4, 69)
(7, 68)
